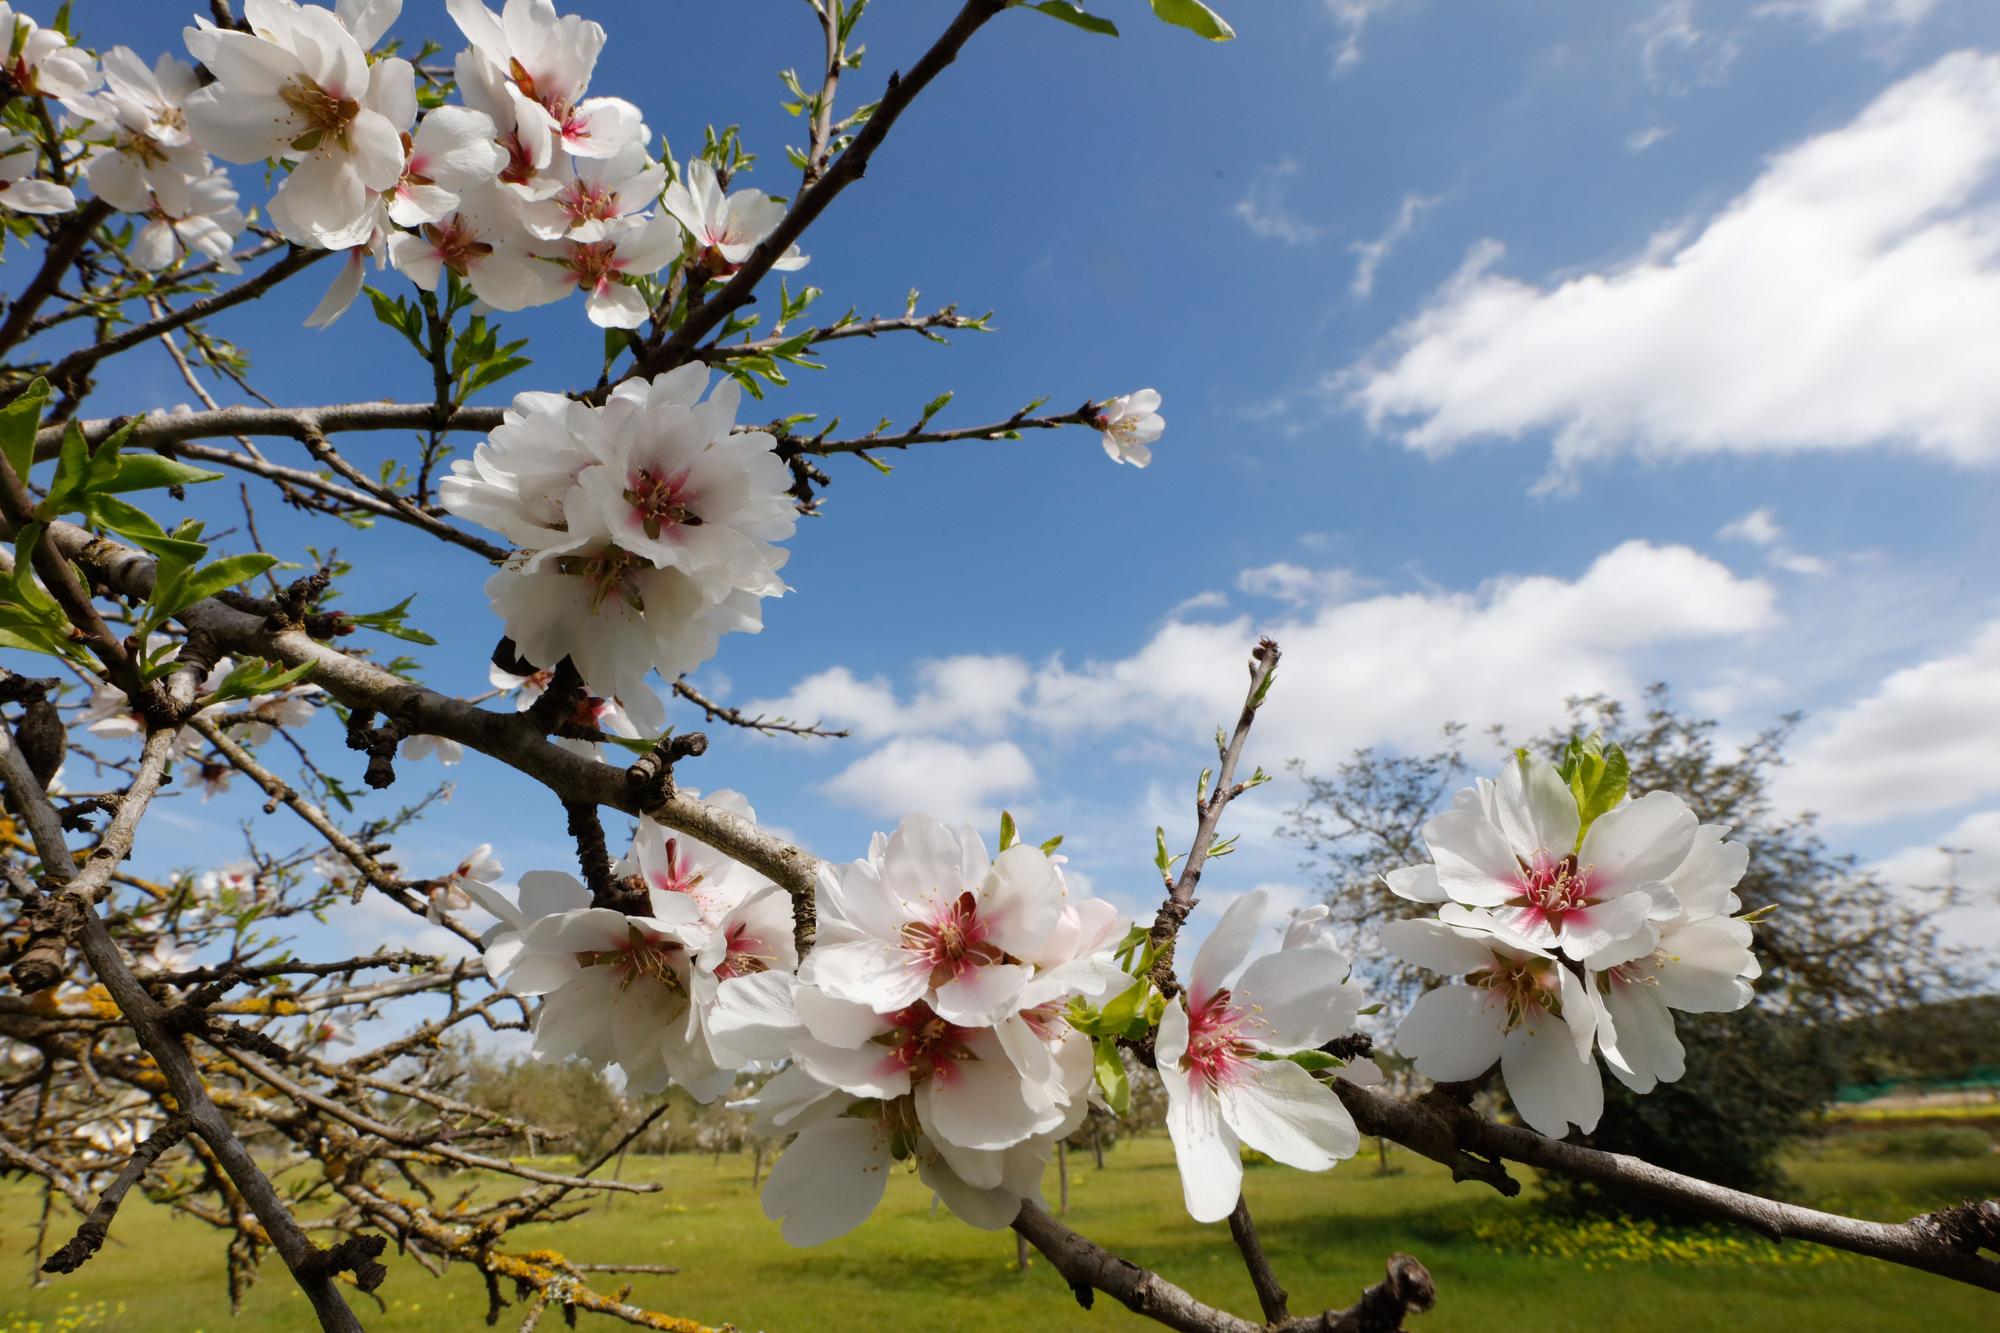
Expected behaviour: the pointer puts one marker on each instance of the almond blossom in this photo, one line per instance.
(150, 157)
(1221, 1049)
(1519, 858)
(604, 269)
(647, 528)
(1703, 964)
(1129, 424)
(592, 195)
(298, 87)
(933, 922)
(202, 219)
(724, 229)
(41, 61)
(452, 151)
(543, 62)
(20, 191)
(1519, 1006)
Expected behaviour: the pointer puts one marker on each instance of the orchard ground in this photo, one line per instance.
(1498, 1263)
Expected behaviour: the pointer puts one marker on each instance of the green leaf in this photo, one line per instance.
(19, 421)
(1196, 17)
(1009, 835)
(145, 472)
(135, 523)
(72, 469)
(27, 592)
(211, 579)
(1076, 18)
(1049, 847)
(1598, 778)
(254, 677)
(1109, 1071)
(390, 622)
(1124, 1015)
(1310, 1061)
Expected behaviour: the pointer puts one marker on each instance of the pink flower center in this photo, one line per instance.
(520, 168)
(677, 876)
(458, 247)
(747, 954)
(640, 955)
(1216, 1050)
(926, 1045)
(1525, 988)
(595, 266)
(326, 115)
(587, 201)
(660, 501)
(1549, 886)
(953, 941)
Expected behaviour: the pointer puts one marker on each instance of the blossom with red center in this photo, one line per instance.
(603, 268)
(724, 229)
(936, 922)
(300, 87)
(1129, 424)
(1219, 1053)
(1514, 856)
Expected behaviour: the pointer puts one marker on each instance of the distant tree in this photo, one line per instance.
(1837, 944)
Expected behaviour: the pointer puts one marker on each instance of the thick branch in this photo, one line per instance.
(1946, 1242)
(508, 736)
(1088, 1267)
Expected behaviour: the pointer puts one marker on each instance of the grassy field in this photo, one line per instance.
(1498, 1263)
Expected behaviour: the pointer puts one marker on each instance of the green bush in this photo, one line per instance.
(1930, 1143)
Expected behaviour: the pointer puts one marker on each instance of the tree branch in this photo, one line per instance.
(1946, 1242)
(1180, 900)
(849, 167)
(90, 1236)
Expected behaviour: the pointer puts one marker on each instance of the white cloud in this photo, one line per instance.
(1391, 668)
(1640, 140)
(1959, 874)
(1927, 739)
(1351, 17)
(956, 783)
(1266, 210)
(1287, 582)
(1838, 15)
(1760, 527)
(1848, 298)
(1212, 600)
(970, 693)
(1370, 255)
(1676, 53)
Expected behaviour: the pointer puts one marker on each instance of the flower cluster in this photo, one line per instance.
(528, 191)
(646, 527)
(641, 990)
(1578, 919)
(137, 149)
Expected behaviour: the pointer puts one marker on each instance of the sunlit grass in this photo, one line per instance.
(1498, 1263)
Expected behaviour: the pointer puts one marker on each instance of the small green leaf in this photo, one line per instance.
(213, 578)
(1160, 856)
(145, 472)
(1049, 847)
(19, 421)
(1109, 1071)
(1310, 1061)
(1070, 14)
(1196, 17)
(1009, 835)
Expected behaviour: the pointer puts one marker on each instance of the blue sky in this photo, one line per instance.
(1508, 351)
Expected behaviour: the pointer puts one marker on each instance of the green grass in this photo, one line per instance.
(1498, 1263)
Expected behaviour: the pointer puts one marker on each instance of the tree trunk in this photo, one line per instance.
(1097, 1147)
(1020, 1252)
(756, 1163)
